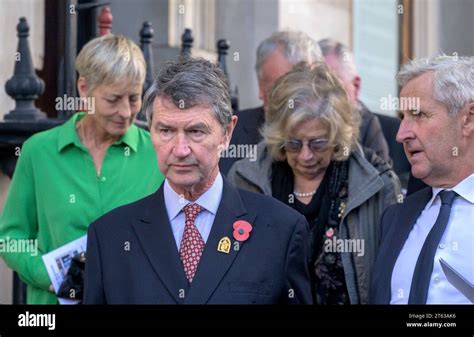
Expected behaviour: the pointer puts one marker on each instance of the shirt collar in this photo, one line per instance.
(465, 189)
(210, 200)
(68, 134)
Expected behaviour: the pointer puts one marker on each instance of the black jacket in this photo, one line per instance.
(371, 134)
(246, 132)
(132, 256)
(397, 223)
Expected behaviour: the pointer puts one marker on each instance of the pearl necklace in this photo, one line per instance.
(301, 195)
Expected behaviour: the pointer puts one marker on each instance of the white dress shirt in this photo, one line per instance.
(456, 248)
(210, 201)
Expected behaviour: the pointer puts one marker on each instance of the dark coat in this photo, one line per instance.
(397, 223)
(132, 256)
(371, 134)
(247, 131)
(373, 187)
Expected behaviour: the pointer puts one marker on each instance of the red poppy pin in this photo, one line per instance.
(330, 233)
(242, 230)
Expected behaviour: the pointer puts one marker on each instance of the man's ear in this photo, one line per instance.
(356, 83)
(82, 86)
(229, 130)
(468, 120)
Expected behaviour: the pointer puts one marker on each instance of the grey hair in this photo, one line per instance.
(453, 84)
(296, 46)
(341, 51)
(189, 82)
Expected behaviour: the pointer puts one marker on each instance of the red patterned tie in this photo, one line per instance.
(192, 244)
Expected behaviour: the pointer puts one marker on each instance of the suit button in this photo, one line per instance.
(103, 179)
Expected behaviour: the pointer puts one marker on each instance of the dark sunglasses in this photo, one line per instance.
(315, 145)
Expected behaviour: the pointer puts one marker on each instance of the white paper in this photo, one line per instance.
(58, 261)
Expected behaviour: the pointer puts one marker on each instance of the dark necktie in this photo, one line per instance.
(420, 282)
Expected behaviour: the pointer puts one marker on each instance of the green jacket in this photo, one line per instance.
(56, 193)
(371, 190)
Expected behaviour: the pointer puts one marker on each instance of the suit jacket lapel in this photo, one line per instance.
(398, 234)
(214, 264)
(156, 238)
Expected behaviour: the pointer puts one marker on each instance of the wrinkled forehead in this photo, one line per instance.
(419, 85)
(165, 110)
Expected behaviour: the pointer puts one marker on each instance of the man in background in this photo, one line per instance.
(341, 61)
(276, 55)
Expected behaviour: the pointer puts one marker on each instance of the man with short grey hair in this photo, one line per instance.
(341, 61)
(198, 239)
(276, 55)
(426, 253)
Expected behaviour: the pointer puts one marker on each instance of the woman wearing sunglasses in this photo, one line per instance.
(310, 159)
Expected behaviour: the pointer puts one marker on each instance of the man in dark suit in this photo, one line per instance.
(198, 239)
(276, 55)
(426, 251)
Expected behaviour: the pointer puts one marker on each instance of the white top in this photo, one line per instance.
(456, 248)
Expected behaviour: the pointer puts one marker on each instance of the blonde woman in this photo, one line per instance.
(70, 175)
(311, 160)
